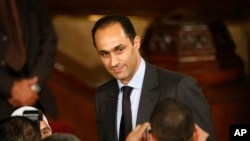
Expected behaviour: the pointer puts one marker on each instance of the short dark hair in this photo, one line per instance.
(19, 128)
(172, 120)
(110, 19)
(62, 137)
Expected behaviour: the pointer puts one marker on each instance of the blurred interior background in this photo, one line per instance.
(217, 54)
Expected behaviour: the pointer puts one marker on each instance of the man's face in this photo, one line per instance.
(45, 130)
(118, 54)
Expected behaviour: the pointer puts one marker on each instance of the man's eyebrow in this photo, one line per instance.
(118, 46)
(113, 49)
(102, 51)
(45, 128)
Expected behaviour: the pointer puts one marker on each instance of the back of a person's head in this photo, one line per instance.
(19, 128)
(35, 115)
(62, 137)
(172, 120)
(20, 112)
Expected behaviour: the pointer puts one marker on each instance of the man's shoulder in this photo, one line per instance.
(108, 84)
(109, 88)
(164, 74)
(164, 71)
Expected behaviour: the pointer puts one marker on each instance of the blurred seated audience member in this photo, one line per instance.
(19, 128)
(62, 137)
(171, 120)
(44, 124)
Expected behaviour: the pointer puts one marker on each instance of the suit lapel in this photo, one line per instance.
(110, 109)
(149, 94)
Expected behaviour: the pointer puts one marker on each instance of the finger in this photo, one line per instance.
(143, 128)
(137, 127)
(12, 102)
(33, 80)
(146, 124)
(32, 100)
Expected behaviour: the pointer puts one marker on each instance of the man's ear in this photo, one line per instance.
(199, 134)
(195, 134)
(137, 42)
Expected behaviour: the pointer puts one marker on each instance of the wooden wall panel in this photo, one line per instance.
(75, 106)
(209, 8)
(229, 105)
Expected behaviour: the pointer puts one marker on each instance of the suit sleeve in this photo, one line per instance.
(189, 92)
(47, 45)
(6, 83)
(99, 119)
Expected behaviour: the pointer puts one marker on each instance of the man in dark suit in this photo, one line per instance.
(25, 26)
(118, 47)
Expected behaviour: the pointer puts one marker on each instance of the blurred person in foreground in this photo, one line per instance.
(62, 137)
(19, 128)
(171, 120)
(44, 126)
(27, 54)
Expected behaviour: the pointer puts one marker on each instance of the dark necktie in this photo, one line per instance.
(126, 119)
(15, 51)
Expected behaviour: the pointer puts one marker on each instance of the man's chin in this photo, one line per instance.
(119, 76)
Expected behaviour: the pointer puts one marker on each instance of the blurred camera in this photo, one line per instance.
(148, 130)
(34, 115)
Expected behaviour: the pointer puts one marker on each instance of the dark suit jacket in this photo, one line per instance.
(40, 41)
(157, 85)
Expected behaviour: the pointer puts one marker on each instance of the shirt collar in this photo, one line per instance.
(137, 80)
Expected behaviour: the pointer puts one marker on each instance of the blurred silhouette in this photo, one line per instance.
(44, 126)
(27, 52)
(19, 128)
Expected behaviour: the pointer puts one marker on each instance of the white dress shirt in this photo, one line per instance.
(136, 83)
